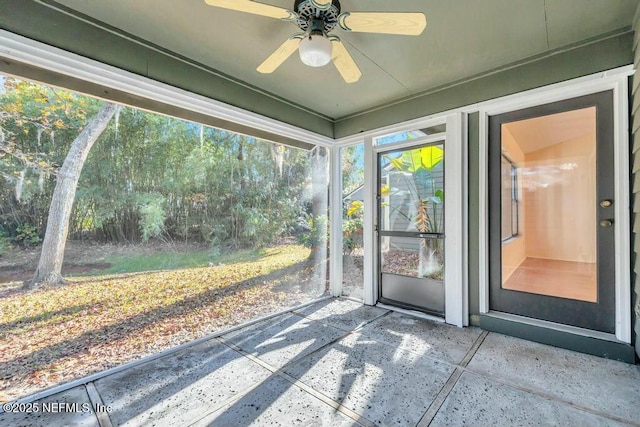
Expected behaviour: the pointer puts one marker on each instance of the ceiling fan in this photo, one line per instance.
(317, 18)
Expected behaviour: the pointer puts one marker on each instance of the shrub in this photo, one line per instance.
(27, 236)
(4, 245)
(352, 232)
(152, 216)
(352, 227)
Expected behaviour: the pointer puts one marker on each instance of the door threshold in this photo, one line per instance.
(413, 313)
(569, 337)
(555, 326)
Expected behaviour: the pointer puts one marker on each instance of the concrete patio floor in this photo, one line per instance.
(339, 363)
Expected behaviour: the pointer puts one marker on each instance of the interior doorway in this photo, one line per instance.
(551, 218)
(548, 172)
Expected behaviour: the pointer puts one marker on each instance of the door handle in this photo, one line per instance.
(606, 203)
(606, 223)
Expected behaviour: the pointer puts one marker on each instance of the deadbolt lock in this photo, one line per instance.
(606, 223)
(606, 203)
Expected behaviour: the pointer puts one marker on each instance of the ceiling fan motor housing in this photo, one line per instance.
(317, 18)
(308, 12)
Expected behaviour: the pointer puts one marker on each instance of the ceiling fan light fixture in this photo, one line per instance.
(317, 19)
(315, 50)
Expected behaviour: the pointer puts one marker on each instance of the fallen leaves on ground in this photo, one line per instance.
(56, 334)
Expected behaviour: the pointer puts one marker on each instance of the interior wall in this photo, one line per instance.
(514, 251)
(561, 197)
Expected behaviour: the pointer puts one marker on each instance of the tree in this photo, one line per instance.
(149, 177)
(49, 269)
(37, 126)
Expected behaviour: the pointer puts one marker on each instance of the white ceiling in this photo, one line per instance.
(463, 38)
(542, 132)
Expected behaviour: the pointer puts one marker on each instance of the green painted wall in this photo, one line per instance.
(41, 23)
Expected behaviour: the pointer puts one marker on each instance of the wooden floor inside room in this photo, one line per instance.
(564, 279)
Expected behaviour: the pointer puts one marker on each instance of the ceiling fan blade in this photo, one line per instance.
(322, 4)
(279, 56)
(409, 24)
(345, 63)
(253, 7)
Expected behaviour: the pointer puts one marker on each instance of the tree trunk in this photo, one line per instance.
(49, 269)
(241, 161)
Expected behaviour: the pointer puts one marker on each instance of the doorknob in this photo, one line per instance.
(606, 223)
(606, 203)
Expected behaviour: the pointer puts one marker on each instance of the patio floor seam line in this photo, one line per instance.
(542, 393)
(474, 349)
(244, 392)
(248, 355)
(409, 350)
(299, 384)
(359, 328)
(446, 389)
(289, 364)
(356, 329)
(382, 341)
(440, 398)
(230, 400)
(295, 361)
(330, 343)
(96, 401)
(295, 313)
(328, 400)
(552, 397)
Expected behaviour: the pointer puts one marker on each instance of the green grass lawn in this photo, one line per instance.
(174, 261)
